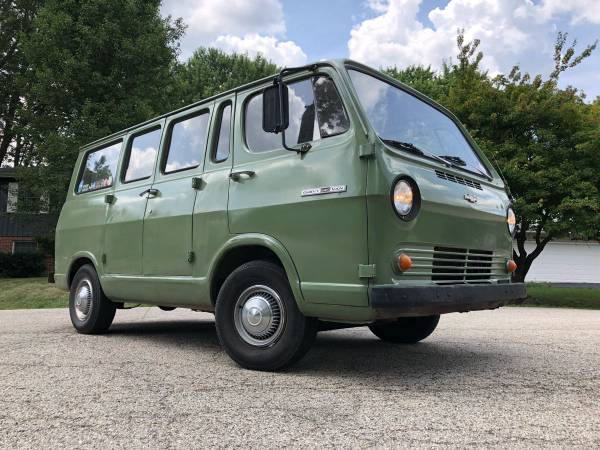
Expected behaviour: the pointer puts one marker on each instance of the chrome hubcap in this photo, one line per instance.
(83, 299)
(259, 316)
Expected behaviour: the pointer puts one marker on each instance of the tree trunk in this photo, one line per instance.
(17, 152)
(521, 257)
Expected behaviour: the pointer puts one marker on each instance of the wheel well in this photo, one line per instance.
(77, 264)
(233, 259)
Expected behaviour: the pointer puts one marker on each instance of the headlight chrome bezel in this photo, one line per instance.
(416, 198)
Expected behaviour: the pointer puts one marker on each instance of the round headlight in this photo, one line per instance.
(405, 197)
(511, 220)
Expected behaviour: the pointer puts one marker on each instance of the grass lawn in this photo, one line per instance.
(562, 297)
(27, 293)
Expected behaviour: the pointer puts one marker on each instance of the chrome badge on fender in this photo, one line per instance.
(324, 190)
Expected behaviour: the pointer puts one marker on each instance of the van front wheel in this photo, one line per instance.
(405, 330)
(91, 312)
(258, 322)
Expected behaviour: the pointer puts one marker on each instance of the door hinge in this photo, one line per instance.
(196, 183)
(366, 270)
(191, 257)
(103, 259)
(366, 150)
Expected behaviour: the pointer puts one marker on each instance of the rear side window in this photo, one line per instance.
(187, 143)
(222, 144)
(316, 112)
(142, 153)
(99, 168)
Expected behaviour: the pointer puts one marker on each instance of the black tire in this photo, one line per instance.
(168, 308)
(294, 333)
(405, 330)
(92, 313)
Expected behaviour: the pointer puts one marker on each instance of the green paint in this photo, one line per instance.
(329, 244)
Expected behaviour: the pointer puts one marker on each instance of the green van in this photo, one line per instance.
(327, 196)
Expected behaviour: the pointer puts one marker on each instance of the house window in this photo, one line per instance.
(19, 199)
(12, 197)
(21, 247)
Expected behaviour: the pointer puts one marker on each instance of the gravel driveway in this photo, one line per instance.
(517, 377)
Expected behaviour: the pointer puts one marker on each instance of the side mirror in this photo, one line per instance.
(276, 109)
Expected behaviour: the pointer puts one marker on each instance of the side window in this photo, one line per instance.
(223, 136)
(258, 140)
(331, 115)
(316, 111)
(187, 143)
(142, 153)
(99, 168)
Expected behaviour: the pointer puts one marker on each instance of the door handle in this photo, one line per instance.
(150, 193)
(235, 176)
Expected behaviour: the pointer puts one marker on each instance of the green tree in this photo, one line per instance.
(95, 67)
(16, 17)
(210, 71)
(423, 79)
(546, 141)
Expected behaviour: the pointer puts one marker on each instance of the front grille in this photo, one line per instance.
(451, 265)
(459, 180)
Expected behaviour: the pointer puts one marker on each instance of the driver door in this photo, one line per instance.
(313, 203)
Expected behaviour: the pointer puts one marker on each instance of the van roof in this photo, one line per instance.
(336, 63)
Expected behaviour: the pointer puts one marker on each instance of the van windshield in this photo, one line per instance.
(403, 121)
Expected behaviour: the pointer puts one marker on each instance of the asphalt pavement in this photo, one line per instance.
(516, 377)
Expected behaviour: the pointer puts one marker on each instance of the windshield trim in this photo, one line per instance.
(420, 96)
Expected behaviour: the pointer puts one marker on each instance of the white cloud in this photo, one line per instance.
(578, 10)
(208, 19)
(397, 37)
(285, 53)
(508, 30)
(245, 26)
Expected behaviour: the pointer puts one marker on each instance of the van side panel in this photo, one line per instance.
(80, 230)
(80, 227)
(168, 224)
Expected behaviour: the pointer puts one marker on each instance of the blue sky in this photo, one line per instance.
(385, 33)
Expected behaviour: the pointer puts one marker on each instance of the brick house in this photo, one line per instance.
(19, 229)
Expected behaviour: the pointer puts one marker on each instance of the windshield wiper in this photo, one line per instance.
(449, 162)
(454, 160)
(463, 165)
(416, 150)
(483, 174)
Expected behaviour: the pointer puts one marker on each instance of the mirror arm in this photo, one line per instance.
(279, 82)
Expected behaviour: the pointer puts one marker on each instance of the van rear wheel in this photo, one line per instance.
(90, 310)
(258, 322)
(405, 330)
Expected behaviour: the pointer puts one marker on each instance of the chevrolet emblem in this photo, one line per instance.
(470, 198)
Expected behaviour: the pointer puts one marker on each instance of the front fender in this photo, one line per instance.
(269, 242)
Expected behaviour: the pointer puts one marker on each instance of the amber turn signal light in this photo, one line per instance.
(511, 266)
(404, 262)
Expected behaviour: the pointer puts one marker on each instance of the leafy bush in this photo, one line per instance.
(21, 265)
(45, 244)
